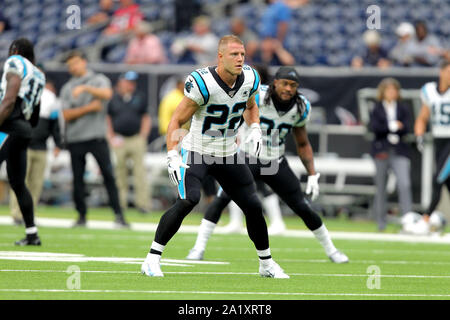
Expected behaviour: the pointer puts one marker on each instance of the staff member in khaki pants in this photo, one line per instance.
(37, 149)
(128, 127)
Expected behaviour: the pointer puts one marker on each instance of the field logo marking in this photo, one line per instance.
(374, 279)
(74, 280)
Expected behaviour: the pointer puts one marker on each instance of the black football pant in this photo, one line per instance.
(283, 182)
(237, 181)
(99, 149)
(442, 151)
(14, 152)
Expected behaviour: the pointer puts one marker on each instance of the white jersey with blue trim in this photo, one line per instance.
(31, 87)
(439, 105)
(214, 125)
(275, 126)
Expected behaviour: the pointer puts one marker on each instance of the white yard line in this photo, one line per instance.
(339, 275)
(151, 227)
(232, 293)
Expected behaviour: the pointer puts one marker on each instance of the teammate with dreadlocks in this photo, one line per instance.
(282, 110)
(20, 95)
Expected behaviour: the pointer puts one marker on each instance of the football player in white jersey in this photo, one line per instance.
(216, 98)
(282, 110)
(436, 110)
(20, 94)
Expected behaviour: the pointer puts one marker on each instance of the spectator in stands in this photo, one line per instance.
(403, 52)
(427, 46)
(84, 99)
(128, 128)
(122, 25)
(37, 149)
(275, 20)
(145, 47)
(250, 39)
(374, 55)
(272, 53)
(125, 18)
(390, 121)
(104, 14)
(4, 23)
(201, 44)
(168, 105)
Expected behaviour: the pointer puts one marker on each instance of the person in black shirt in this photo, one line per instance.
(128, 128)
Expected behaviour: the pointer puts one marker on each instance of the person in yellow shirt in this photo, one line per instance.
(168, 105)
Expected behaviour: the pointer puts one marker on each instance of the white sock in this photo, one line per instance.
(264, 253)
(204, 232)
(31, 230)
(272, 207)
(158, 247)
(235, 214)
(324, 238)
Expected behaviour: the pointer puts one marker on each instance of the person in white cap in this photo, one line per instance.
(374, 55)
(403, 52)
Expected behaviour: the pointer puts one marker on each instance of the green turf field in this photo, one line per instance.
(408, 270)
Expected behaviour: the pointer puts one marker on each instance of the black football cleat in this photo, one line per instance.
(120, 223)
(29, 241)
(80, 223)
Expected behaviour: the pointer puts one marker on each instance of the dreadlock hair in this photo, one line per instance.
(23, 47)
(297, 99)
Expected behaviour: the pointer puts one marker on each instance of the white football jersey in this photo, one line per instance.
(214, 125)
(439, 105)
(32, 85)
(275, 126)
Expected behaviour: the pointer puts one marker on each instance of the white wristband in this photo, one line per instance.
(255, 125)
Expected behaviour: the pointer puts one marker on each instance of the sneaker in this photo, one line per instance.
(18, 221)
(151, 269)
(120, 223)
(276, 229)
(80, 223)
(273, 270)
(29, 241)
(338, 257)
(195, 254)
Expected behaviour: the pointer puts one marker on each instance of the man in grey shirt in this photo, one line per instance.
(84, 98)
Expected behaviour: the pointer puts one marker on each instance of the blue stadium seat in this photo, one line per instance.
(117, 54)
(86, 39)
(150, 12)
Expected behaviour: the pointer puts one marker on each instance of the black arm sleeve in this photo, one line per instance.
(35, 115)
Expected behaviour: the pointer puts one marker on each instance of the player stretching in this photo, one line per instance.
(216, 98)
(282, 110)
(436, 106)
(20, 95)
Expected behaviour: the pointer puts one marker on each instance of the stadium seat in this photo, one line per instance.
(117, 54)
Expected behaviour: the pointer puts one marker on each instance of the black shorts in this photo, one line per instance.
(277, 174)
(231, 173)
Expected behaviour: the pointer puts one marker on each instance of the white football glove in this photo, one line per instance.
(174, 163)
(313, 186)
(255, 136)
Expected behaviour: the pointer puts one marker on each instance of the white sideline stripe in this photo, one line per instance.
(67, 257)
(232, 293)
(141, 226)
(248, 273)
